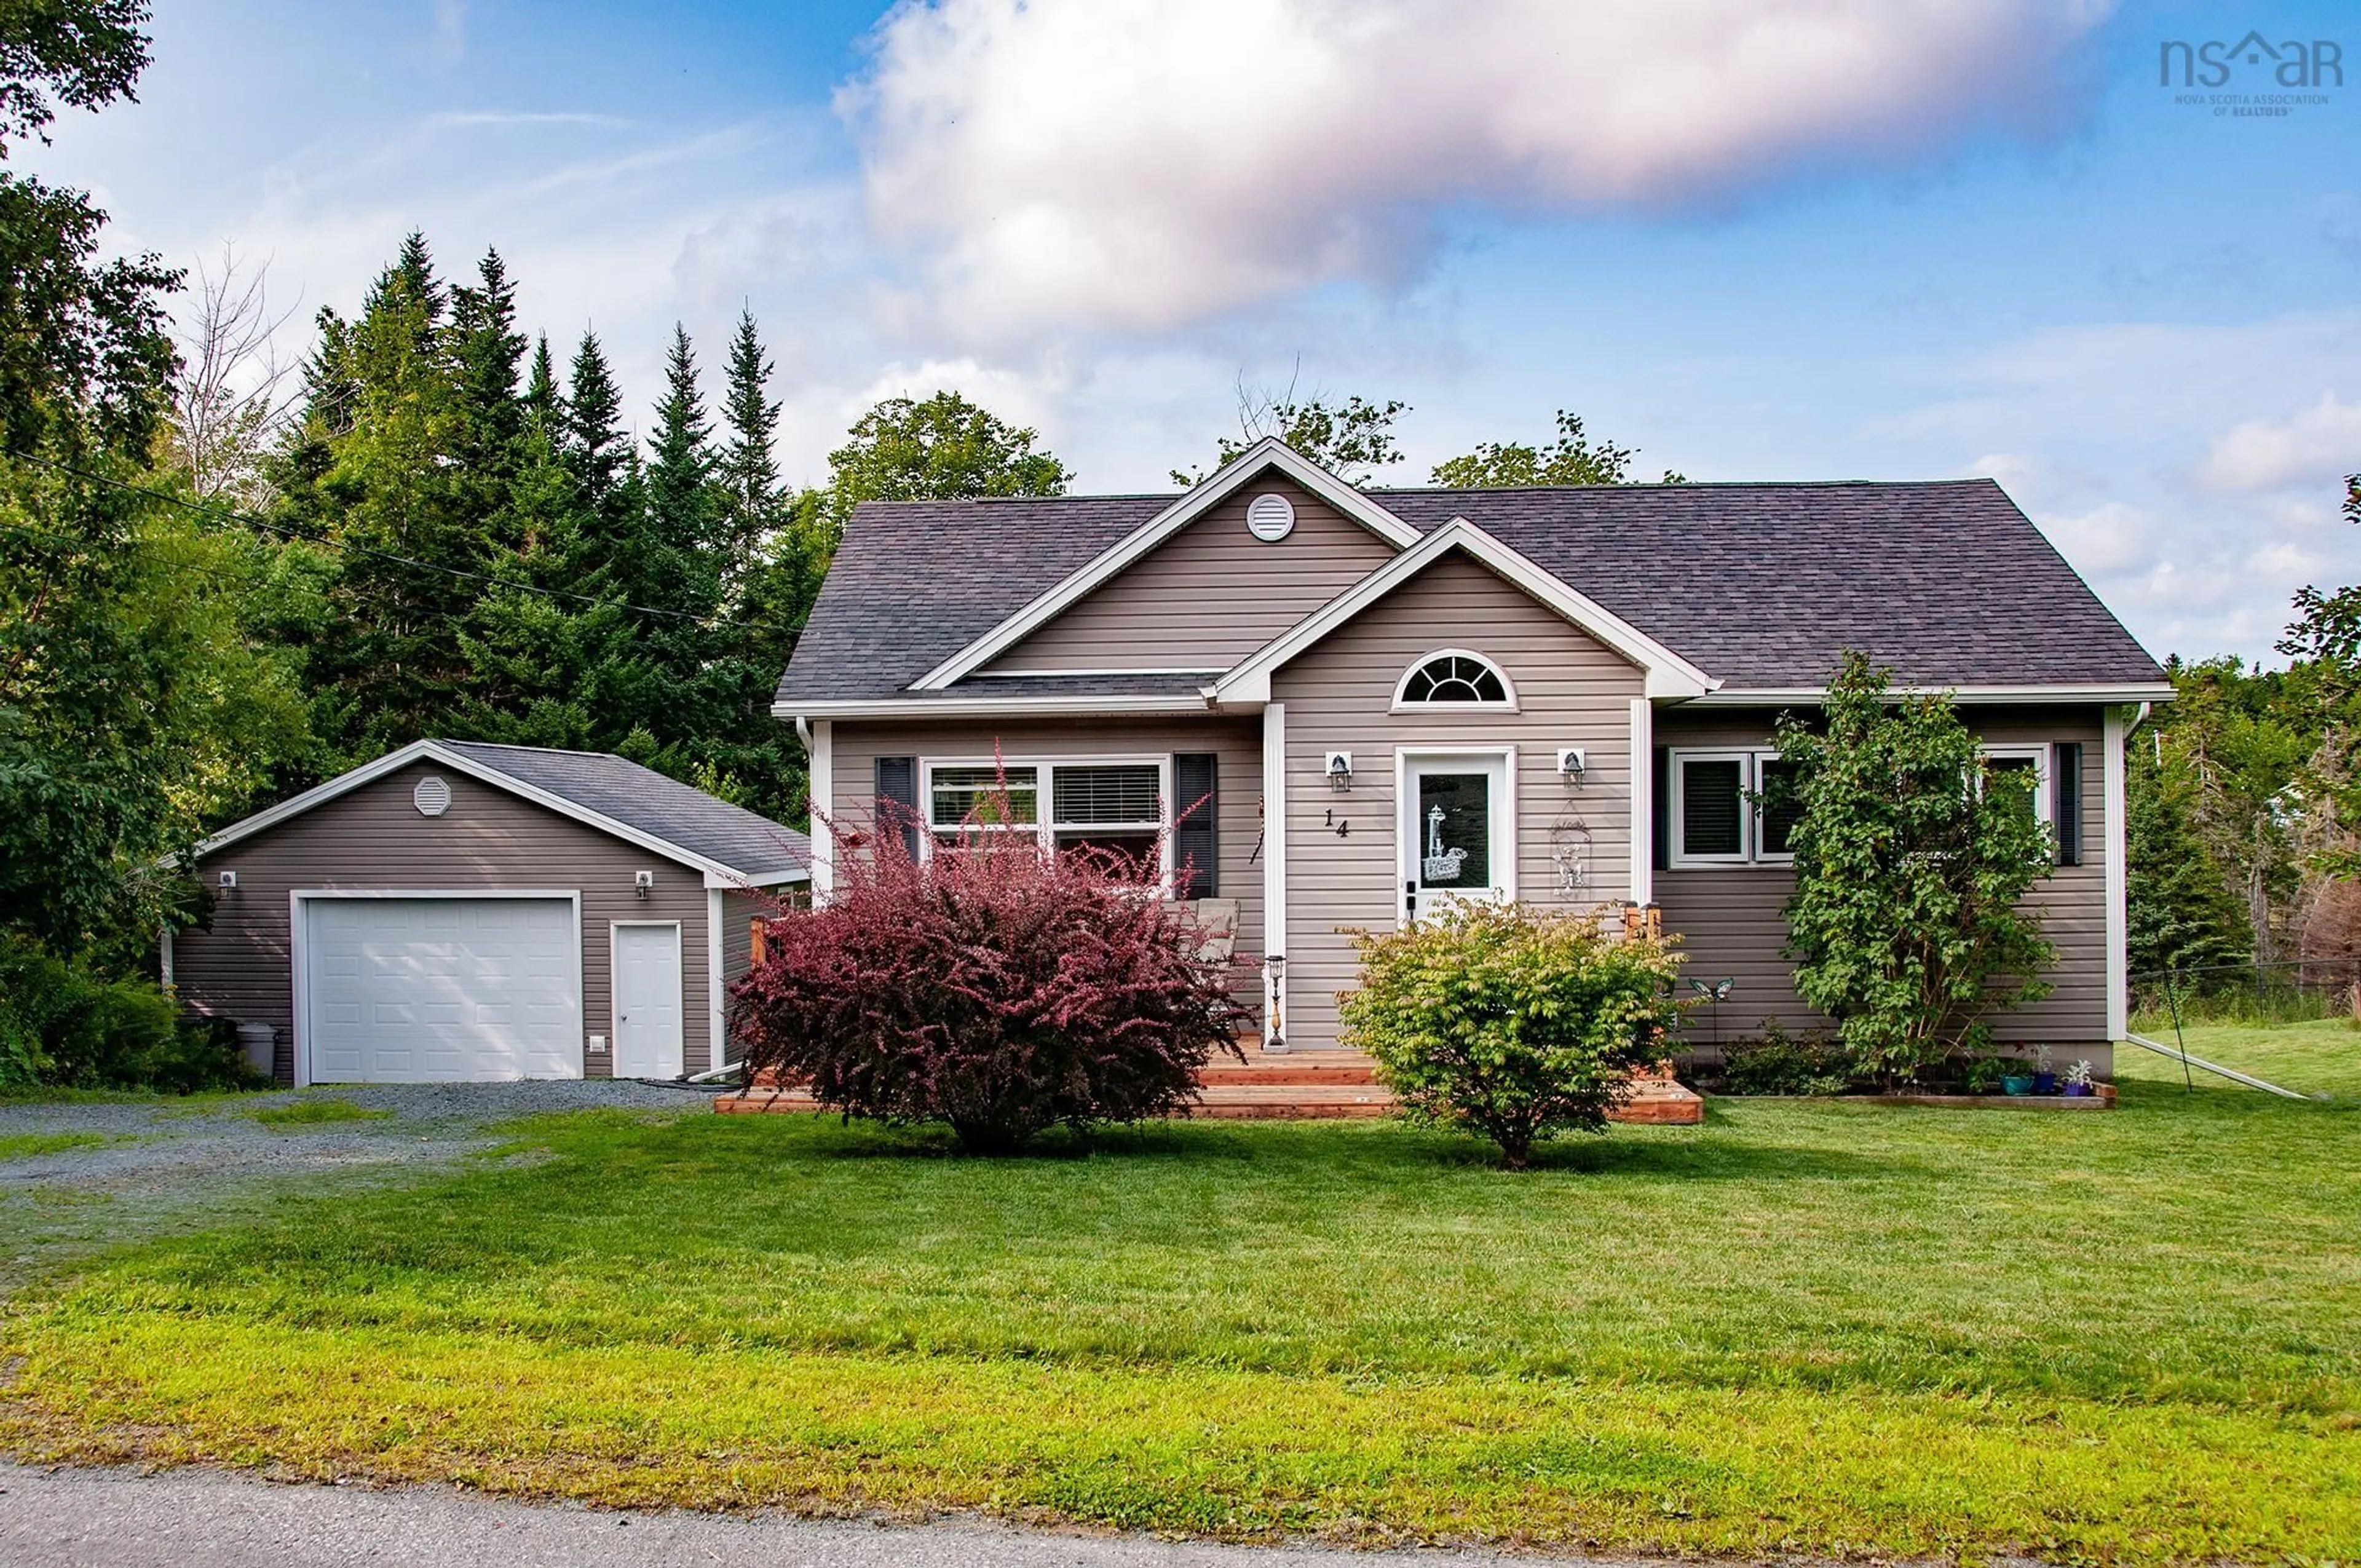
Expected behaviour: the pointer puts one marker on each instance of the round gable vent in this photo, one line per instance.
(1269, 516)
(433, 796)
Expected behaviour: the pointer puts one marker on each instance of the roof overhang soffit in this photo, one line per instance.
(1264, 456)
(1668, 674)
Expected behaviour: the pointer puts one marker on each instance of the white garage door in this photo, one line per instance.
(441, 990)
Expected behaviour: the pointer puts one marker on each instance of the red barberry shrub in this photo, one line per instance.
(992, 986)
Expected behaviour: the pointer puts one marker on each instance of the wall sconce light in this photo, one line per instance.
(1339, 768)
(227, 881)
(642, 882)
(1570, 763)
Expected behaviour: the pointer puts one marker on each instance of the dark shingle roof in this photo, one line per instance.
(1763, 586)
(1766, 585)
(640, 797)
(914, 581)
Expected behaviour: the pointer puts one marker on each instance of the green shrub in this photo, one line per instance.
(1509, 1022)
(61, 1023)
(1778, 1063)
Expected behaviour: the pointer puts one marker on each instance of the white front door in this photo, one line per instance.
(1456, 833)
(647, 1000)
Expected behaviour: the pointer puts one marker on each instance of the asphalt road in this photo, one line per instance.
(194, 1518)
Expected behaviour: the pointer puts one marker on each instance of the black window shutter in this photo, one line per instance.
(1195, 839)
(898, 800)
(2066, 786)
(1659, 810)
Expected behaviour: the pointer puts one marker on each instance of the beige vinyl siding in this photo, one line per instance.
(1211, 594)
(1571, 690)
(1238, 797)
(739, 913)
(373, 837)
(1732, 926)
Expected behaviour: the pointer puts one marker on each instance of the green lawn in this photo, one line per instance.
(25, 1145)
(312, 1112)
(1805, 1326)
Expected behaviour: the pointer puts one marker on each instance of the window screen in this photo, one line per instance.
(1712, 807)
(1120, 793)
(957, 791)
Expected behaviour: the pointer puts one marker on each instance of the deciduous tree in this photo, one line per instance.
(1913, 859)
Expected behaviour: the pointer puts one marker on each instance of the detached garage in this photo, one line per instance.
(457, 912)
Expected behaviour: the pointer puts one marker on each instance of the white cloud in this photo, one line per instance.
(2315, 447)
(2109, 540)
(1136, 165)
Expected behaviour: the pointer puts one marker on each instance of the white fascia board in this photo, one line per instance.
(1080, 706)
(1268, 453)
(427, 750)
(1668, 674)
(753, 881)
(1095, 675)
(1774, 696)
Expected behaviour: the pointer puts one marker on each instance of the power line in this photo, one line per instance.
(210, 514)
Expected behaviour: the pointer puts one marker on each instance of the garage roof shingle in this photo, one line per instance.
(640, 797)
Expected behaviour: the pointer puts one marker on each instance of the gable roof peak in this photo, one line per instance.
(1264, 456)
(1668, 674)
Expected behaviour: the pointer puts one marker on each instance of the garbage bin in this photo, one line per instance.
(259, 1044)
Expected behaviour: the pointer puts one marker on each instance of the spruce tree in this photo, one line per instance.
(596, 445)
(543, 400)
(675, 577)
(749, 469)
(2182, 915)
(487, 351)
(380, 479)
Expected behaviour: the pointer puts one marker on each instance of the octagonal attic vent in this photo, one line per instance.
(433, 796)
(1269, 516)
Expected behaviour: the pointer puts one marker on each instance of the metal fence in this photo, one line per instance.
(2250, 994)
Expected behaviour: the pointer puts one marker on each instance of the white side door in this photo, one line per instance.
(647, 1000)
(1457, 832)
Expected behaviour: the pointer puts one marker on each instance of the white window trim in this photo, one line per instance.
(2045, 803)
(1678, 761)
(1755, 814)
(1750, 783)
(1403, 704)
(1045, 828)
(1750, 760)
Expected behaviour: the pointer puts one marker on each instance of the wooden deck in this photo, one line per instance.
(1295, 1086)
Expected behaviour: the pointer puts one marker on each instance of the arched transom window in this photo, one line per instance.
(1453, 677)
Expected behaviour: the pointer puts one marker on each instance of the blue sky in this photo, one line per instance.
(1757, 238)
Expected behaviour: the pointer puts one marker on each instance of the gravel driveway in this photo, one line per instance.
(167, 1164)
(193, 1518)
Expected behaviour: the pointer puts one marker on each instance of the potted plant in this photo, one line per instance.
(2045, 1076)
(2078, 1079)
(2017, 1080)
